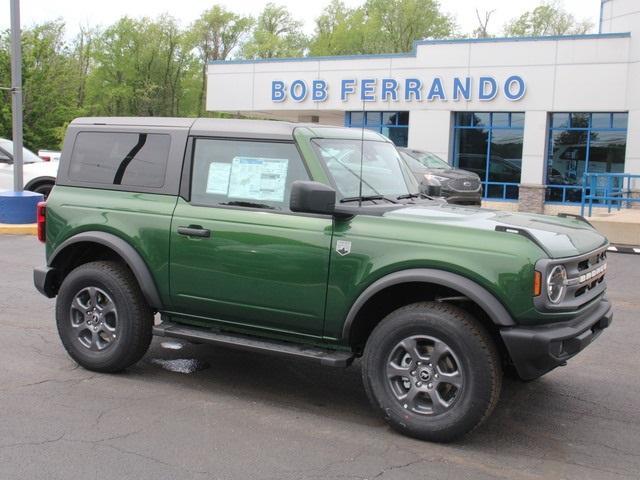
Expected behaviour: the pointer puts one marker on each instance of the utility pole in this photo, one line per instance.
(16, 94)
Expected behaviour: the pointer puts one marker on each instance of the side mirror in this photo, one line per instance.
(312, 197)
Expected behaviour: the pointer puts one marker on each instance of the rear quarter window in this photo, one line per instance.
(115, 158)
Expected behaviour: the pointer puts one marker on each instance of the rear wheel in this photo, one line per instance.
(44, 189)
(103, 319)
(432, 370)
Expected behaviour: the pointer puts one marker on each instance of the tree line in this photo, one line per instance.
(156, 67)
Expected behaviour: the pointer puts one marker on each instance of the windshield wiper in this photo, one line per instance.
(413, 195)
(366, 198)
(248, 205)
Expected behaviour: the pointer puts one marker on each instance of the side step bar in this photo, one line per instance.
(331, 358)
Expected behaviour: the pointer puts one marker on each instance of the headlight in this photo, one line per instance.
(434, 179)
(557, 284)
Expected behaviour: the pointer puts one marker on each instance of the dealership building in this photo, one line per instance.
(529, 115)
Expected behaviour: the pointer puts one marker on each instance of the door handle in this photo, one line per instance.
(194, 231)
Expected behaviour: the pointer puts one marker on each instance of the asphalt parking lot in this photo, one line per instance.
(246, 416)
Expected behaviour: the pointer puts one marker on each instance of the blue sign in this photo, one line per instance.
(485, 89)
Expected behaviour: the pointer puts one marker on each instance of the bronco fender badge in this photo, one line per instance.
(343, 247)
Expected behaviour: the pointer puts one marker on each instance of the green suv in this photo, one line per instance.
(314, 243)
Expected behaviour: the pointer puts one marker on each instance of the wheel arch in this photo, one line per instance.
(417, 280)
(66, 256)
(34, 182)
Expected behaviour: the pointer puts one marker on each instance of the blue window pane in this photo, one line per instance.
(620, 120)
(464, 119)
(560, 120)
(373, 118)
(517, 120)
(357, 118)
(500, 119)
(389, 118)
(594, 143)
(481, 119)
(398, 135)
(601, 120)
(579, 120)
(472, 150)
(505, 163)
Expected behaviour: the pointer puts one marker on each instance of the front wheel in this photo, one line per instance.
(103, 319)
(432, 370)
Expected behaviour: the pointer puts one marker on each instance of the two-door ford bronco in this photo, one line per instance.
(311, 242)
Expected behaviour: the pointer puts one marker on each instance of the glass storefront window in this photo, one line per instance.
(590, 142)
(394, 125)
(490, 144)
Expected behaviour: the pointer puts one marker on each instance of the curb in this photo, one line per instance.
(624, 249)
(18, 229)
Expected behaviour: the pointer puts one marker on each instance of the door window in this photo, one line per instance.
(252, 174)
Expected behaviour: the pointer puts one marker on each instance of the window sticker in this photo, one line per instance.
(258, 178)
(218, 178)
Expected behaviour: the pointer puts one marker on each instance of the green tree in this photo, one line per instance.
(394, 25)
(549, 18)
(139, 69)
(276, 35)
(49, 85)
(340, 31)
(215, 35)
(379, 26)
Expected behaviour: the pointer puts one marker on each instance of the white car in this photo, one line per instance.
(38, 175)
(49, 155)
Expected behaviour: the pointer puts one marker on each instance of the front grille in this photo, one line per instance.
(585, 279)
(464, 184)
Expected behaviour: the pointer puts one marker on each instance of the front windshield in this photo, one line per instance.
(27, 155)
(383, 173)
(430, 160)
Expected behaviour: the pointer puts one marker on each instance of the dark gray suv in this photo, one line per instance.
(439, 179)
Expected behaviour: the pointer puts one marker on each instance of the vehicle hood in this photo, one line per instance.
(558, 237)
(448, 173)
(41, 169)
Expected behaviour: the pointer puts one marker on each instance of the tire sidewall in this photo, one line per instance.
(76, 281)
(473, 398)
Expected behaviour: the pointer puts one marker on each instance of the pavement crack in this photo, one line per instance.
(33, 444)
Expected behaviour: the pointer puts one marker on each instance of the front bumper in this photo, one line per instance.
(462, 198)
(535, 351)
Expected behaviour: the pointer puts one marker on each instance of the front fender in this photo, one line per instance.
(492, 306)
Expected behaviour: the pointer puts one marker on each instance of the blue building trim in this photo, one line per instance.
(416, 44)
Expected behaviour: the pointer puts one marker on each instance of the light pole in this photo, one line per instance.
(16, 94)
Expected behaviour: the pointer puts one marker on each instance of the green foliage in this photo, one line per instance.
(549, 18)
(49, 84)
(276, 35)
(216, 34)
(378, 26)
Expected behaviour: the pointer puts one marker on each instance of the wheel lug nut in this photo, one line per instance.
(430, 385)
(419, 363)
(430, 365)
(436, 375)
(418, 384)
(413, 372)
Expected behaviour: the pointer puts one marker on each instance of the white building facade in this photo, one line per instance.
(529, 115)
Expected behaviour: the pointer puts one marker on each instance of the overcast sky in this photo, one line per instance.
(104, 12)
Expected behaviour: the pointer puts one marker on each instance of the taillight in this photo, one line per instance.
(41, 216)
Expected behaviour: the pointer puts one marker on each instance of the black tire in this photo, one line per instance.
(124, 336)
(471, 352)
(44, 189)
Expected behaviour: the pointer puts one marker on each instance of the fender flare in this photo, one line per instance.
(127, 252)
(34, 181)
(487, 301)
